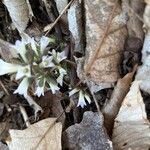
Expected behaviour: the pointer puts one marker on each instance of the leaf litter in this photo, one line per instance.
(111, 36)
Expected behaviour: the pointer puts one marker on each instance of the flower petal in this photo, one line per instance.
(40, 88)
(39, 91)
(47, 62)
(54, 54)
(23, 87)
(87, 98)
(20, 48)
(72, 92)
(60, 79)
(62, 72)
(53, 86)
(81, 101)
(23, 71)
(61, 56)
(25, 38)
(44, 43)
(6, 68)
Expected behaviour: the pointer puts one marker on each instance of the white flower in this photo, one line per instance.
(58, 56)
(40, 88)
(6, 68)
(87, 97)
(82, 97)
(47, 62)
(62, 72)
(23, 71)
(21, 49)
(23, 87)
(72, 92)
(53, 85)
(81, 101)
(44, 41)
(25, 38)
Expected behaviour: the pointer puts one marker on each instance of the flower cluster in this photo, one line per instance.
(39, 66)
(33, 65)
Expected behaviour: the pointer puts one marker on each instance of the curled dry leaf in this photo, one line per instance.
(44, 135)
(111, 109)
(132, 129)
(103, 53)
(19, 12)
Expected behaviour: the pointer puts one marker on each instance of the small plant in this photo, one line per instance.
(41, 68)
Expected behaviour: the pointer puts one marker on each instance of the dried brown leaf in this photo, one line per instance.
(111, 109)
(19, 12)
(132, 129)
(37, 136)
(103, 53)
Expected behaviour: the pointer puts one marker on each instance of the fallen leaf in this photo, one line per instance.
(111, 109)
(19, 12)
(43, 135)
(132, 129)
(75, 22)
(103, 53)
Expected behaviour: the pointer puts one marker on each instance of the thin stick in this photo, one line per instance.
(24, 115)
(3, 86)
(64, 10)
(88, 68)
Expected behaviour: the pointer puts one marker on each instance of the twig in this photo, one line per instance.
(3, 86)
(88, 68)
(52, 17)
(24, 115)
(96, 103)
(64, 10)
